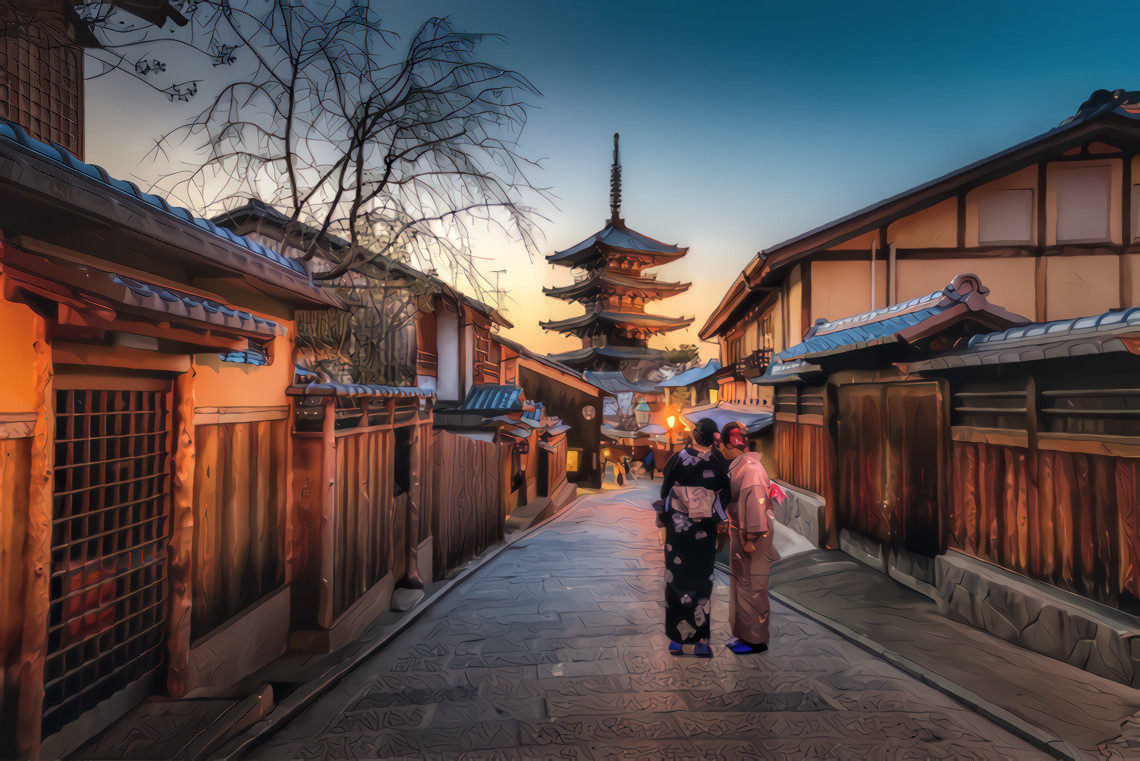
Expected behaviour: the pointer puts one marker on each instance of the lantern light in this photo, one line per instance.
(671, 420)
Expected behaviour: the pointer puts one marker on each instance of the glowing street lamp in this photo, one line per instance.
(641, 413)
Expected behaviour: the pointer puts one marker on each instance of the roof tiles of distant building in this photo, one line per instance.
(493, 398)
(692, 375)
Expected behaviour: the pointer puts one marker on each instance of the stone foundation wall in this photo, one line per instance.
(801, 512)
(1050, 621)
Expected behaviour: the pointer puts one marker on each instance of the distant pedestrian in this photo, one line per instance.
(695, 488)
(649, 464)
(751, 554)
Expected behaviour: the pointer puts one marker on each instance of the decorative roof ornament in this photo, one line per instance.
(615, 186)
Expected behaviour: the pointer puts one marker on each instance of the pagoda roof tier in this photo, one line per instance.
(589, 354)
(616, 238)
(589, 323)
(605, 282)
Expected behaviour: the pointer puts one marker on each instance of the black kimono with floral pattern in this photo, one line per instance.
(690, 544)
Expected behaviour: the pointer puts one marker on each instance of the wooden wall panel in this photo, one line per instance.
(1128, 551)
(369, 539)
(1066, 518)
(15, 468)
(467, 513)
(239, 525)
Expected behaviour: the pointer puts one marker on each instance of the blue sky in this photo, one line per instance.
(742, 124)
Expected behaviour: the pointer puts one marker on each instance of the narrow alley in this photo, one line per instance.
(555, 649)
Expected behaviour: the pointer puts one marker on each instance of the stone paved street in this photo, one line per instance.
(556, 649)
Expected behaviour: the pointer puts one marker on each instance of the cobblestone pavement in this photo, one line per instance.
(556, 649)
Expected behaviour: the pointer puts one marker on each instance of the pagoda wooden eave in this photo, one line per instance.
(616, 238)
(636, 321)
(605, 282)
(580, 357)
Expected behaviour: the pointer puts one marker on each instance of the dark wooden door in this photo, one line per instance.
(889, 442)
(915, 432)
(861, 450)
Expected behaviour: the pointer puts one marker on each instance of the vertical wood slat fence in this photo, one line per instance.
(239, 524)
(1067, 518)
(467, 513)
(352, 530)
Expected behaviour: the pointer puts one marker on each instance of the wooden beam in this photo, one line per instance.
(119, 356)
(223, 415)
(207, 340)
(37, 554)
(1090, 443)
(17, 425)
(181, 548)
(1040, 287)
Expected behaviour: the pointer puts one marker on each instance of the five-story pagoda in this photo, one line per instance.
(610, 282)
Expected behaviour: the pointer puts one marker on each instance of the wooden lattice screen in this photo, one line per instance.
(40, 82)
(110, 527)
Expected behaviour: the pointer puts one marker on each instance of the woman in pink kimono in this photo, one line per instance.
(751, 553)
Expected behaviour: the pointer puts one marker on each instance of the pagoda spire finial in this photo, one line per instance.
(615, 185)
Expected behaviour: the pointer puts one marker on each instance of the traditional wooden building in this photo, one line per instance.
(564, 394)
(612, 284)
(402, 327)
(994, 471)
(145, 431)
(1051, 225)
(693, 387)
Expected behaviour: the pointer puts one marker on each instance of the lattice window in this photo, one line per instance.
(109, 536)
(40, 90)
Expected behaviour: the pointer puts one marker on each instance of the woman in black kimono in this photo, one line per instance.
(695, 489)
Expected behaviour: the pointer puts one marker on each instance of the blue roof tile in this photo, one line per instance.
(15, 133)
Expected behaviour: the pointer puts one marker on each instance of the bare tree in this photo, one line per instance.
(377, 151)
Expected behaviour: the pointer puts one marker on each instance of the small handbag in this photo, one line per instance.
(696, 501)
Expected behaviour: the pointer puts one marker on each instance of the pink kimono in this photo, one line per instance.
(750, 513)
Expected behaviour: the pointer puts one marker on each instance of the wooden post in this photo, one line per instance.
(181, 547)
(37, 554)
(326, 554)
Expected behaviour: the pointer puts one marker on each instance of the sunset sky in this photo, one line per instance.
(742, 124)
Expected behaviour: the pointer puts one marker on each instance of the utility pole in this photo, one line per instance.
(498, 293)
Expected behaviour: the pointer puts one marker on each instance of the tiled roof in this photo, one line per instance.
(615, 382)
(614, 238)
(493, 398)
(16, 134)
(753, 419)
(194, 307)
(866, 329)
(1118, 107)
(1109, 321)
(359, 390)
(606, 281)
(609, 352)
(640, 319)
(1060, 339)
(692, 375)
(963, 299)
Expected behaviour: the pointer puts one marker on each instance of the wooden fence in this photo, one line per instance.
(360, 491)
(1067, 518)
(467, 513)
(239, 518)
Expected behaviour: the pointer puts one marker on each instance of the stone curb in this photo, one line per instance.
(302, 697)
(1031, 733)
